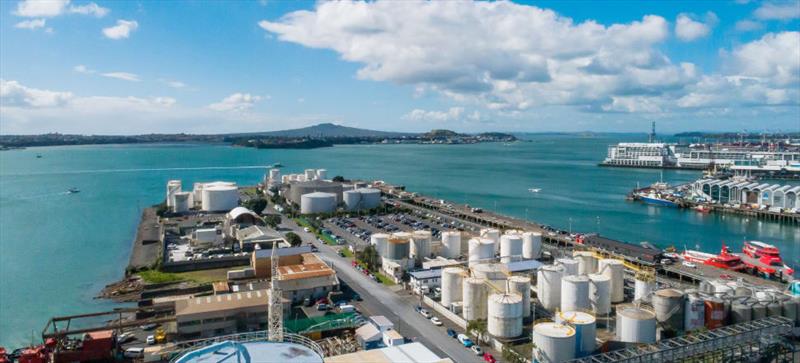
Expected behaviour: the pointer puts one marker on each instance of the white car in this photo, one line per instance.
(425, 313)
(436, 321)
(476, 349)
(689, 264)
(151, 340)
(125, 337)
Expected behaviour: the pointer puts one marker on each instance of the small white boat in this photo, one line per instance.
(534, 190)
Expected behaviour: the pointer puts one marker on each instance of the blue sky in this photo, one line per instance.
(124, 67)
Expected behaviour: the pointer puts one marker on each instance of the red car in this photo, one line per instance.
(489, 357)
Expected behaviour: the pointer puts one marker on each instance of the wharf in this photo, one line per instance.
(705, 273)
(146, 247)
(786, 218)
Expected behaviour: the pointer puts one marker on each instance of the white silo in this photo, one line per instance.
(504, 317)
(488, 271)
(420, 246)
(669, 306)
(197, 194)
(548, 286)
(181, 202)
(480, 250)
(474, 298)
(322, 174)
(494, 235)
(643, 289)
(370, 197)
(635, 325)
(220, 198)
(587, 264)
(570, 266)
(585, 326)
(600, 293)
(451, 242)
(531, 245)
(398, 246)
(553, 343)
(352, 200)
(310, 174)
(510, 248)
(273, 178)
(379, 240)
(694, 314)
(317, 202)
(173, 186)
(575, 293)
(452, 285)
(522, 285)
(285, 179)
(615, 270)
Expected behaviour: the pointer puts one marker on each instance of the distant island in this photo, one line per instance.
(321, 135)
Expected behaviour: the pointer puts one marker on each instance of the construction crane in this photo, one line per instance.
(275, 333)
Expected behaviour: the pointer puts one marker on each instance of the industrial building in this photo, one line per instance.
(301, 274)
(407, 353)
(258, 237)
(208, 316)
(299, 188)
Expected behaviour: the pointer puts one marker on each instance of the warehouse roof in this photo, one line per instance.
(222, 302)
(408, 353)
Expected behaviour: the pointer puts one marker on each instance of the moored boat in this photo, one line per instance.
(724, 259)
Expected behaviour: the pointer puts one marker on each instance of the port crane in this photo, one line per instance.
(275, 333)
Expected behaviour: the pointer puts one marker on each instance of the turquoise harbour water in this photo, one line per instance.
(58, 250)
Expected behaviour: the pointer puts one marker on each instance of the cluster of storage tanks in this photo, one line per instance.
(307, 175)
(210, 197)
(361, 198)
(511, 246)
(403, 248)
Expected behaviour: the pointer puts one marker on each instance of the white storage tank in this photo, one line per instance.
(173, 186)
(219, 198)
(669, 307)
(600, 294)
(553, 342)
(379, 240)
(570, 266)
(522, 285)
(352, 200)
(615, 270)
(489, 271)
(694, 314)
(197, 193)
(420, 246)
(398, 246)
(317, 202)
(310, 174)
(182, 202)
(510, 248)
(452, 285)
(322, 174)
(504, 318)
(451, 242)
(575, 293)
(480, 250)
(531, 245)
(548, 286)
(587, 264)
(585, 326)
(370, 197)
(474, 298)
(494, 235)
(635, 325)
(643, 289)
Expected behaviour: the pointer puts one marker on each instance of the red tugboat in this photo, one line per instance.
(724, 259)
(765, 259)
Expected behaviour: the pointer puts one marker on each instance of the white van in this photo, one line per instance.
(136, 352)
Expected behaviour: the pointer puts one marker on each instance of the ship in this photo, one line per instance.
(724, 259)
(73, 190)
(766, 259)
(655, 199)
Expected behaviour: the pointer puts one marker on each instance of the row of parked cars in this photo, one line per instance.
(462, 338)
(351, 227)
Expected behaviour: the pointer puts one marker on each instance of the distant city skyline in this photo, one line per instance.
(136, 67)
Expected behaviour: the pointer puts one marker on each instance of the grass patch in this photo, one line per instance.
(207, 276)
(158, 277)
(384, 279)
(346, 252)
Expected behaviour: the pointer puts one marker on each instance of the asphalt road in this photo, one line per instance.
(379, 300)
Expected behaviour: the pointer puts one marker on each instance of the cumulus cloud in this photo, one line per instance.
(236, 102)
(748, 25)
(12, 93)
(89, 9)
(53, 8)
(688, 29)
(125, 76)
(30, 24)
(453, 113)
(122, 30)
(786, 10)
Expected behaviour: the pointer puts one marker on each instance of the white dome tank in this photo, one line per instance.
(570, 266)
(643, 290)
(370, 197)
(398, 246)
(173, 186)
(522, 285)
(480, 250)
(452, 285)
(317, 202)
(575, 293)
(474, 298)
(489, 271)
(531, 245)
(182, 202)
(510, 248)
(553, 342)
(420, 246)
(600, 294)
(451, 242)
(322, 174)
(352, 199)
(494, 235)
(635, 325)
(695, 312)
(220, 198)
(585, 326)
(504, 318)
(379, 240)
(548, 286)
(587, 264)
(615, 270)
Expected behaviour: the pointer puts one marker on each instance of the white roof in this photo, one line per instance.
(381, 321)
(238, 211)
(368, 333)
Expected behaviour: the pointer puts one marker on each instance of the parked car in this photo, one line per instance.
(465, 340)
(425, 313)
(689, 264)
(148, 326)
(322, 307)
(489, 357)
(137, 352)
(125, 337)
(476, 349)
(151, 340)
(452, 333)
(436, 321)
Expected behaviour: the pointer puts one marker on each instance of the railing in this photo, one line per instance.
(180, 348)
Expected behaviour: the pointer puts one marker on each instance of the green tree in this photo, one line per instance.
(255, 204)
(369, 256)
(272, 220)
(338, 178)
(293, 239)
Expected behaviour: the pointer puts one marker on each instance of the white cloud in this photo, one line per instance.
(40, 8)
(125, 76)
(122, 30)
(30, 24)
(453, 113)
(80, 68)
(89, 9)
(236, 102)
(688, 29)
(173, 83)
(748, 25)
(12, 93)
(785, 10)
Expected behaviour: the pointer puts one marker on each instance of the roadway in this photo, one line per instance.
(379, 300)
